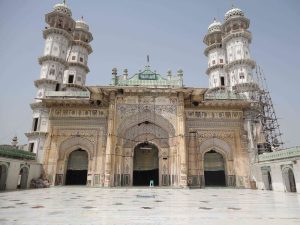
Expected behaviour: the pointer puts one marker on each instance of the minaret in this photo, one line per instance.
(77, 58)
(58, 36)
(216, 56)
(236, 40)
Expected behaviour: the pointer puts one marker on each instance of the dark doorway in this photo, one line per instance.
(145, 165)
(215, 178)
(3, 177)
(270, 181)
(76, 177)
(214, 169)
(77, 168)
(142, 178)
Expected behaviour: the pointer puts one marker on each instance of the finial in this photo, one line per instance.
(180, 72)
(64, 1)
(148, 59)
(81, 18)
(215, 19)
(114, 72)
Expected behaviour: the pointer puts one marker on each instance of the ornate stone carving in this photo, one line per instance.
(215, 114)
(71, 113)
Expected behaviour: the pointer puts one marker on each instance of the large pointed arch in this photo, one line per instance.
(73, 143)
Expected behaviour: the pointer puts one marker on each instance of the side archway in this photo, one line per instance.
(77, 168)
(214, 169)
(289, 179)
(23, 177)
(216, 163)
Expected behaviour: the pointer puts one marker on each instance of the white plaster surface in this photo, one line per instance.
(82, 205)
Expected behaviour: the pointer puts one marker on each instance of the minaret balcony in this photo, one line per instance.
(33, 134)
(249, 62)
(53, 30)
(83, 44)
(213, 37)
(85, 67)
(39, 82)
(211, 47)
(83, 35)
(246, 87)
(52, 58)
(237, 33)
(217, 66)
(77, 87)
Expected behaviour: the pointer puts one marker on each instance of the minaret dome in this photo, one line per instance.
(63, 8)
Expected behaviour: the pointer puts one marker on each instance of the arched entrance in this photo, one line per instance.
(23, 177)
(214, 169)
(77, 168)
(289, 180)
(145, 165)
(3, 176)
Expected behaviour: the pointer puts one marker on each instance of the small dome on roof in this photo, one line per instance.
(215, 26)
(82, 24)
(233, 12)
(62, 8)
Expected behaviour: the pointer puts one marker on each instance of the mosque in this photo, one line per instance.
(147, 128)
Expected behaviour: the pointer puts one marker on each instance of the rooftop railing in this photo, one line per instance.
(223, 96)
(11, 152)
(68, 94)
(281, 154)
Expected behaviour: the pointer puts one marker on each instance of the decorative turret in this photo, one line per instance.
(77, 58)
(216, 56)
(236, 40)
(58, 36)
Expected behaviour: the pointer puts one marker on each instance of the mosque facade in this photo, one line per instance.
(146, 128)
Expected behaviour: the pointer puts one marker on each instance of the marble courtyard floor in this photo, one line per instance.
(144, 206)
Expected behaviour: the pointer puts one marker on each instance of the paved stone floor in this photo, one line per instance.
(144, 206)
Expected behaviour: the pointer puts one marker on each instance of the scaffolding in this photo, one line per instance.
(267, 116)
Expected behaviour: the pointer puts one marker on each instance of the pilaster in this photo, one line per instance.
(110, 141)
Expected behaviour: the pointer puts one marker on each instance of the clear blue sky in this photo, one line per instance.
(170, 31)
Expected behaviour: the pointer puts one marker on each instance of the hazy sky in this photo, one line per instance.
(170, 31)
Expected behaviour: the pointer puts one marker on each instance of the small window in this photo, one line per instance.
(213, 62)
(52, 72)
(31, 147)
(221, 60)
(57, 87)
(73, 57)
(71, 79)
(35, 124)
(81, 59)
(242, 76)
(222, 81)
